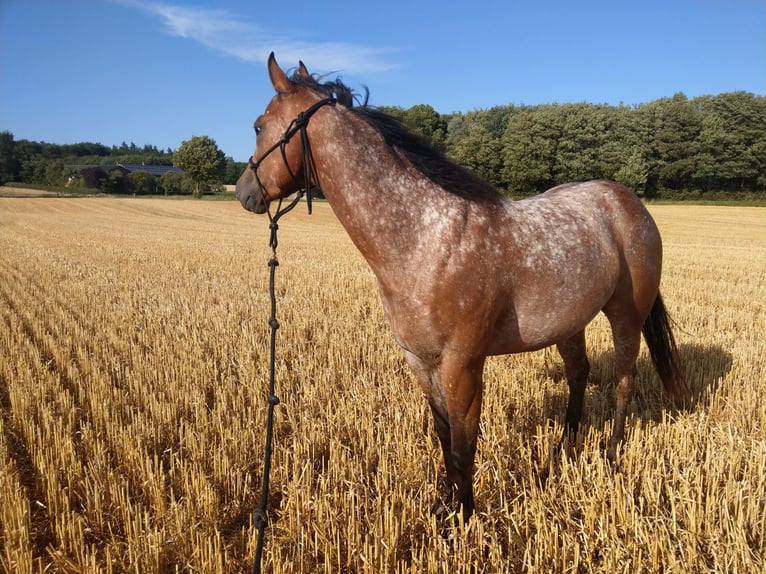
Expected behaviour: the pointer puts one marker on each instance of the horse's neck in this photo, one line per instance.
(381, 200)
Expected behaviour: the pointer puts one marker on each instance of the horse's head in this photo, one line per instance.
(275, 169)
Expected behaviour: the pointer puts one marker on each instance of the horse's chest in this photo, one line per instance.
(427, 311)
(412, 322)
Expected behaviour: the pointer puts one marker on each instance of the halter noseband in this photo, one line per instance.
(299, 124)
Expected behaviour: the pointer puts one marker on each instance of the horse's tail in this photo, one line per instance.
(664, 352)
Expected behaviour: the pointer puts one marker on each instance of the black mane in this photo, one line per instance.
(401, 142)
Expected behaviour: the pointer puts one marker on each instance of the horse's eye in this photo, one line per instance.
(257, 129)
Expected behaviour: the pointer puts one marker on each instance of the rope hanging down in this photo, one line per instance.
(259, 514)
(260, 518)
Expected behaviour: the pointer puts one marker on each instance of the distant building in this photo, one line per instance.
(93, 174)
(155, 170)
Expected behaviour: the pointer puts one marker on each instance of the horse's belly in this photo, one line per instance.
(541, 332)
(547, 318)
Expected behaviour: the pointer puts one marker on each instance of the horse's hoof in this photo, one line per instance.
(440, 511)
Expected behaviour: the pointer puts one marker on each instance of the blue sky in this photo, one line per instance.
(160, 71)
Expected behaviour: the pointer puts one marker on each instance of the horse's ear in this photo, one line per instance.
(303, 71)
(279, 79)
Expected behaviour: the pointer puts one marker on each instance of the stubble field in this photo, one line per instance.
(133, 377)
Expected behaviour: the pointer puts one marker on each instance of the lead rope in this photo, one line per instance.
(259, 514)
(260, 518)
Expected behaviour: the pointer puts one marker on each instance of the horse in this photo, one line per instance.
(463, 272)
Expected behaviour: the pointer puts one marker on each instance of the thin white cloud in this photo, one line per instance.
(231, 35)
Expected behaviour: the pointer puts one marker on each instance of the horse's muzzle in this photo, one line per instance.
(251, 199)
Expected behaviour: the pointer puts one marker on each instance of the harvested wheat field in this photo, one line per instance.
(133, 386)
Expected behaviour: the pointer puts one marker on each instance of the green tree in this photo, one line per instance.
(9, 163)
(397, 112)
(55, 173)
(115, 182)
(626, 152)
(426, 121)
(479, 152)
(583, 134)
(171, 182)
(33, 168)
(633, 172)
(530, 144)
(233, 170)
(475, 142)
(732, 143)
(201, 160)
(675, 126)
(39, 170)
(141, 183)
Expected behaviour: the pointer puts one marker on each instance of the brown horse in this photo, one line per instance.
(463, 272)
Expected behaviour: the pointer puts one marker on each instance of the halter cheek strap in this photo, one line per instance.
(298, 125)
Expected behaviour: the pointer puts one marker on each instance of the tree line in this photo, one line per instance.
(47, 164)
(675, 148)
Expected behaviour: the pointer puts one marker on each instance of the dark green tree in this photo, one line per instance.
(584, 131)
(475, 142)
(233, 170)
(115, 182)
(9, 163)
(530, 145)
(171, 182)
(55, 173)
(675, 125)
(479, 152)
(141, 183)
(201, 161)
(34, 169)
(626, 151)
(732, 143)
(426, 121)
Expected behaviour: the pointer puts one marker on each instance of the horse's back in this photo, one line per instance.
(597, 192)
(598, 208)
(609, 202)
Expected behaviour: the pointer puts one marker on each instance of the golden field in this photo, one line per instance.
(133, 384)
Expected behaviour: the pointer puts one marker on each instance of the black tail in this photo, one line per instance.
(662, 348)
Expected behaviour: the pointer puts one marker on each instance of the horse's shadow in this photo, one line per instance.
(705, 367)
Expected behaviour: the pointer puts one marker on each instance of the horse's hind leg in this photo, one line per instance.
(627, 341)
(577, 368)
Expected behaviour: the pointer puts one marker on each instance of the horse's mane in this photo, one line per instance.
(401, 142)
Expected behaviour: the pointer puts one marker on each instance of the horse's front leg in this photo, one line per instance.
(454, 395)
(442, 428)
(462, 384)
